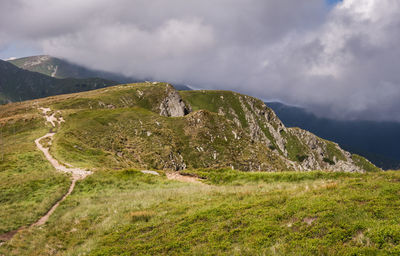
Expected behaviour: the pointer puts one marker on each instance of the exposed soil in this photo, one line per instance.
(76, 173)
(7, 236)
(179, 177)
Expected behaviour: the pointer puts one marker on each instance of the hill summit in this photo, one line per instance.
(60, 68)
(154, 126)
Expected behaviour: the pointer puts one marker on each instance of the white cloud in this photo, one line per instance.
(340, 62)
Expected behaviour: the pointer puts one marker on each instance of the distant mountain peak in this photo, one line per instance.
(17, 84)
(61, 68)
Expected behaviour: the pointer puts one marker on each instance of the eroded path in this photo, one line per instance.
(179, 177)
(76, 173)
(43, 144)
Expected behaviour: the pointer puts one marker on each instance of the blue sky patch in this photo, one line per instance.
(332, 2)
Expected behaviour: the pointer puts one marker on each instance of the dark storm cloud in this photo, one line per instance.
(340, 62)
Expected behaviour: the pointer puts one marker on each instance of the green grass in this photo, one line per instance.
(139, 138)
(107, 138)
(213, 100)
(315, 213)
(235, 177)
(144, 95)
(120, 211)
(28, 183)
(297, 151)
(334, 152)
(364, 164)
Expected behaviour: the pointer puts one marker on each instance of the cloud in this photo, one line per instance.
(340, 61)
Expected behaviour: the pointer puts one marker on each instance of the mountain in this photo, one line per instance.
(144, 169)
(18, 84)
(153, 126)
(377, 141)
(60, 68)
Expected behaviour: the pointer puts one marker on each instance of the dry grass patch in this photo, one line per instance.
(141, 215)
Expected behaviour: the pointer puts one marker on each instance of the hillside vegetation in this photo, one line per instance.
(265, 189)
(153, 126)
(29, 186)
(126, 212)
(375, 140)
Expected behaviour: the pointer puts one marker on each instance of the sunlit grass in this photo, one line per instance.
(127, 212)
(29, 185)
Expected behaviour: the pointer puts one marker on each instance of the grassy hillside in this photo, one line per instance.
(235, 210)
(126, 212)
(29, 185)
(120, 127)
(262, 124)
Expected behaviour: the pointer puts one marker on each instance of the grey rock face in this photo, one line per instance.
(173, 105)
(254, 128)
(294, 148)
(316, 153)
(256, 116)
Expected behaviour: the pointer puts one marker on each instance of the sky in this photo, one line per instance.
(338, 58)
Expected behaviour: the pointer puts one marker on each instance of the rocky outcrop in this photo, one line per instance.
(263, 123)
(173, 105)
(227, 130)
(299, 149)
(322, 154)
(35, 61)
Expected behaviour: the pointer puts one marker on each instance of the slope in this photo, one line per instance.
(60, 68)
(118, 131)
(153, 126)
(17, 84)
(378, 141)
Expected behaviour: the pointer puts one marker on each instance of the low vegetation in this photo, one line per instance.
(28, 183)
(314, 213)
(364, 163)
(118, 210)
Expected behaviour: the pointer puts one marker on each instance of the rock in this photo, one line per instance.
(318, 153)
(173, 105)
(150, 172)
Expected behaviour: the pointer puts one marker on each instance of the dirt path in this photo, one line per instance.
(179, 177)
(76, 173)
(44, 219)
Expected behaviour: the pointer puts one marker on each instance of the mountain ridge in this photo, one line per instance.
(33, 63)
(375, 140)
(154, 126)
(18, 84)
(62, 68)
